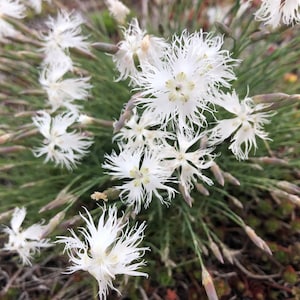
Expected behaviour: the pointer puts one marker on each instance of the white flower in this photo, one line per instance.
(110, 248)
(144, 174)
(247, 124)
(64, 33)
(179, 88)
(61, 92)
(273, 12)
(118, 10)
(13, 9)
(137, 45)
(62, 147)
(215, 64)
(188, 162)
(26, 242)
(35, 4)
(141, 131)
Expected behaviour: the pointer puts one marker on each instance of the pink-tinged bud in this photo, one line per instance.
(204, 249)
(26, 134)
(228, 254)
(269, 98)
(12, 149)
(70, 223)
(288, 187)
(118, 125)
(186, 195)
(256, 167)
(270, 160)
(259, 35)
(25, 114)
(236, 202)
(16, 102)
(216, 251)
(5, 138)
(62, 198)
(36, 92)
(259, 242)
(105, 47)
(231, 179)
(200, 188)
(208, 285)
(217, 173)
(286, 196)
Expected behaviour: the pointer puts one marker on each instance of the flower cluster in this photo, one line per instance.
(62, 147)
(180, 89)
(168, 136)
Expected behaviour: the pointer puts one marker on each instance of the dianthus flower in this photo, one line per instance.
(64, 33)
(144, 174)
(178, 88)
(110, 248)
(62, 147)
(247, 124)
(62, 92)
(118, 10)
(25, 241)
(188, 162)
(275, 12)
(12, 9)
(137, 45)
(141, 131)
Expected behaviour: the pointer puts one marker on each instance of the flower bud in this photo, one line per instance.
(284, 195)
(186, 195)
(269, 98)
(208, 285)
(5, 138)
(200, 188)
(217, 173)
(62, 198)
(12, 149)
(228, 254)
(236, 202)
(216, 251)
(270, 160)
(230, 178)
(288, 187)
(259, 242)
(105, 47)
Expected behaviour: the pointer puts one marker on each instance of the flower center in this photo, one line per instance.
(140, 176)
(179, 88)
